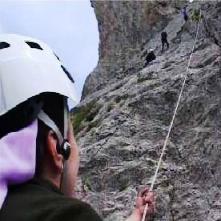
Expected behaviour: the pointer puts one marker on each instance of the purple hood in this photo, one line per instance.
(17, 158)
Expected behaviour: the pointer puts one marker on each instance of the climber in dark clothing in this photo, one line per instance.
(185, 16)
(164, 40)
(39, 157)
(150, 56)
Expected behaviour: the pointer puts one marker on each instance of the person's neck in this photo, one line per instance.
(54, 179)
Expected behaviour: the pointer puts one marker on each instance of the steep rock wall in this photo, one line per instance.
(121, 126)
(124, 27)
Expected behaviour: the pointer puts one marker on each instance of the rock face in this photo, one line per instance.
(123, 118)
(124, 29)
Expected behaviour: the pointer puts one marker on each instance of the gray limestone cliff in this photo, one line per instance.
(125, 112)
(124, 28)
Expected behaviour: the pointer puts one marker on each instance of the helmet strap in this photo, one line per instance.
(50, 123)
(63, 147)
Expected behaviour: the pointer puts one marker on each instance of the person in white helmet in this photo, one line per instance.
(149, 56)
(38, 154)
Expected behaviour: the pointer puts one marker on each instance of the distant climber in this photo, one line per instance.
(196, 15)
(164, 40)
(185, 15)
(150, 56)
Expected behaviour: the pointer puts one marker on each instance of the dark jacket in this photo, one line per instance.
(150, 57)
(39, 200)
(164, 36)
(184, 12)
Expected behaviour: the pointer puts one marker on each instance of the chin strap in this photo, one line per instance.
(50, 123)
(64, 146)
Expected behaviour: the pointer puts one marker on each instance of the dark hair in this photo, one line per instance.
(25, 113)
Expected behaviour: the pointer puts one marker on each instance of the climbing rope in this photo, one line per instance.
(172, 121)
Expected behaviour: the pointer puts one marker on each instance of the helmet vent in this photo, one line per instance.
(4, 45)
(67, 73)
(34, 45)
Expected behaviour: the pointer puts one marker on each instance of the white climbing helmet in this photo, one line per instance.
(28, 67)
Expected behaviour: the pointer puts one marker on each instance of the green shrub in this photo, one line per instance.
(92, 125)
(142, 79)
(111, 106)
(84, 114)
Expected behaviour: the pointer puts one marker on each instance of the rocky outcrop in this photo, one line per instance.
(122, 121)
(124, 28)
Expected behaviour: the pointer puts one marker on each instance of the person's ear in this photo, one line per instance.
(55, 157)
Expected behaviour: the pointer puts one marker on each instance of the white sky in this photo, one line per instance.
(68, 27)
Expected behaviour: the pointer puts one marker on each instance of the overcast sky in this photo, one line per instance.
(68, 27)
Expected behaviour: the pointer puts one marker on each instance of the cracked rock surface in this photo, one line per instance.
(125, 112)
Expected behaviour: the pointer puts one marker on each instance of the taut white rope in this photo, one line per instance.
(172, 121)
